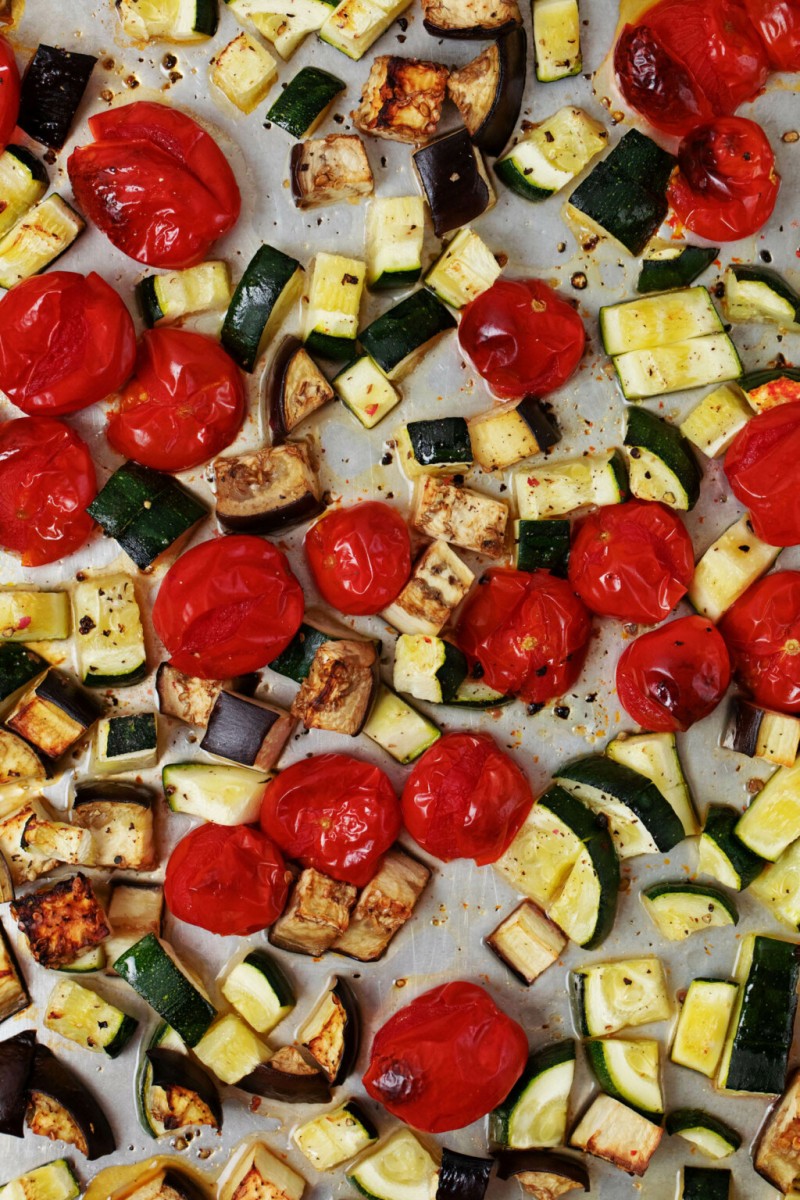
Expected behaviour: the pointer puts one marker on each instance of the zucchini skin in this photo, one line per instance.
(668, 443)
(300, 106)
(763, 1034)
(404, 328)
(635, 791)
(663, 275)
(266, 275)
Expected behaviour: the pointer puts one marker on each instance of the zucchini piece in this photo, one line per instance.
(547, 846)
(761, 733)
(717, 419)
(268, 290)
(33, 616)
(152, 970)
(670, 266)
(712, 1137)
(134, 910)
(541, 1174)
(612, 1131)
(628, 1070)
(61, 922)
(665, 320)
(54, 1180)
(364, 389)
(294, 390)
(256, 1171)
(119, 815)
(335, 1137)
(462, 1176)
(259, 991)
(247, 731)
(534, 1114)
(777, 887)
(722, 855)
(542, 546)
(557, 39)
(151, 20)
(768, 389)
(439, 582)
(54, 714)
(428, 668)
(728, 568)
(287, 1078)
(508, 433)
(586, 906)
(45, 233)
(23, 182)
(163, 1184)
(330, 313)
(703, 1023)
(655, 755)
(354, 25)
(146, 511)
(224, 795)
(51, 93)
(289, 29)
(488, 91)
(551, 154)
(468, 519)
(401, 335)
(757, 294)
(14, 995)
(760, 1034)
(777, 1153)
(480, 19)
(527, 942)
(174, 1091)
(60, 1107)
(317, 913)
(384, 906)
(611, 996)
(770, 824)
(437, 447)
(16, 1060)
(316, 630)
(266, 490)
(305, 101)
(556, 489)
(399, 1168)
(108, 632)
(19, 665)
(87, 1019)
(402, 99)
(680, 909)
(453, 177)
(400, 730)
(465, 268)
(394, 238)
(244, 71)
(329, 170)
(230, 1049)
(332, 1033)
(163, 299)
(703, 1183)
(661, 463)
(126, 743)
(88, 963)
(661, 370)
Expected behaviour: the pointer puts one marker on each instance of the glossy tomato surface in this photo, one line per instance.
(528, 631)
(726, 186)
(465, 798)
(762, 633)
(335, 813)
(227, 607)
(778, 23)
(674, 676)
(9, 93)
(763, 469)
(47, 481)
(66, 341)
(360, 557)
(522, 337)
(228, 879)
(185, 403)
(631, 561)
(446, 1059)
(155, 183)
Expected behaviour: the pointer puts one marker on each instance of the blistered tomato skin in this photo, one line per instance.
(778, 24)
(674, 676)
(66, 341)
(335, 813)
(360, 557)
(228, 879)
(228, 607)
(522, 337)
(446, 1059)
(762, 633)
(631, 561)
(465, 798)
(528, 631)
(9, 93)
(763, 469)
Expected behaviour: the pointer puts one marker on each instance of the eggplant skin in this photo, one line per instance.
(16, 1061)
(470, 18)
(65, 1093)
(289, 1087)
(295, 388)
(558, 1173)
(335, 1044)
(453, 181)
(488, 91)
(463, 1177)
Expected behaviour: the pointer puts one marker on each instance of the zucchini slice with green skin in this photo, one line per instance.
(680, 909)
(557, 39)
(655, 755)
(539, 1172)
(353, 25)
(399, 336)
(534, 1114)
(728, 568)
(155, 973)
(542, 545)
(394, 240)
(109, 636)
(428, 668)
(770, 824)
(547, 846)
(473, 693)
(462, 1176)
(87, 1019)
(268, 290)
(715, 422)
(760, 1035)
(507, 433)
(259, 990)
(163, 299)
(225, 795)
(192, 21)
(23, 182)
(19, 665)
(16, 1060)
(54, 1180)
(331, 306)
(317, 629)
(767, 389)
(705, 1183)
(559, 488)
(552, 154)
(674, 268)
(722, 855)
(303, 103)
(778, 887)
(712, 1137)
(758, 294)
(628, 1070)
(126, 743)
(51, 92)
(332, 1139)
(244, 71)
(611, 996)
(703, 1025)
(465, 268)
(661, 370)
(656, 321)
(761, 733)
(364, 389)
(43, 234)
(437, 447)
(398, 728)
(399, 1168)
(661, 463)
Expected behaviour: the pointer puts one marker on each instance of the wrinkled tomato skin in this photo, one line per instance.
(763, 469)
(155, 183)
(465, 798)
(9, 93)
(228, 607)
(66, 341)
(656, 84)
(47, 481)
(762, 633)
(632, 561)
(778, 24)
(726, 187)
(228, 879)
(674, 676)
(522, 337)
(335, 813)
(185, 403)
(528, 631)
(360, 557)
(446, 1059)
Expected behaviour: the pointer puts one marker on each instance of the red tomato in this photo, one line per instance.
(529, 632)
(228, 879)
(446, 1059)
(334, 813)
(522, 337)
(762, 633)
(465, 798)
(47, 481)
(9, 93)
(778, 23)
(185, 403)
(674, 676)
(227, 607)
(726, 186)
(763, 469)
(66, 341)
(360, 557)
(156, 183)
(632, 561)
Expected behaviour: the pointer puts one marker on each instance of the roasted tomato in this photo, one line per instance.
(762, 633)
(528, 631)
(763, 469)
(185, 403)
(446, 1059)
(227, 607)
(335, 813)
(9, 93)
(66, 341)
(674, 676)
(778, 23)
(229, 879)
(360, 557)
(47, 481)
(156, 183)
(632, 561)
(465, 798)
(522, 337)
(683, 62)
(727, 185)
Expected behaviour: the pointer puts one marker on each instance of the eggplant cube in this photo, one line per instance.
(119, 816)
(454, 181)
(318, 913)
(247, 731)
(384, 906)
(402, 99)
(24, 865)
(54, 714)
(338, 692)
(61, 922)
(295, 388)
(191, 699)
(618, 1134)
(439, 582)
(470, 18)
(330, 169)
(264, 490)
(468, 519)
(527, 942)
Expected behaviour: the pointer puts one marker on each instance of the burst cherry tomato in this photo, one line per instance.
(335, 813)
(632, 561)
(762, 633)
(227, 607)
(360, 557)
(156, 183)
(763, 469)
(522, 337)
(778, 23)
(228, 879)
(47, 481)
(465, 798)
(9, 93)
(727, 185)
(674, 676)
(66, 341)
(529, 632)
(446, 1059)
(185, 403)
